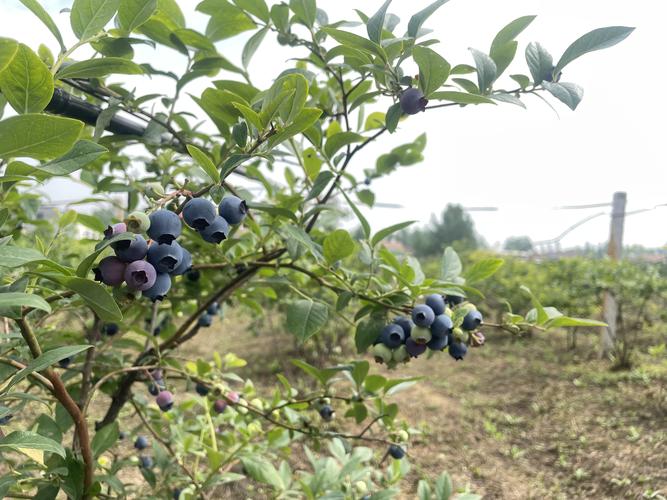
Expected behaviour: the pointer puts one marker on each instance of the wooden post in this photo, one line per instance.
(614, 251)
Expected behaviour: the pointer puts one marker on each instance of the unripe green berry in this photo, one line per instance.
(137, 222)
(402, 436)
(381, 353)
(421, 335)
(361, 487)
(400, 354)
(154, 190)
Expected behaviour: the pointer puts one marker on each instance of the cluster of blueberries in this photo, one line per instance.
(431, 327)
(206, 319)
(148, 268)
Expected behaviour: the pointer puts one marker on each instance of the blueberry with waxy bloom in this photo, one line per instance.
(146, 462)
(185, 265)
(219, 406)
(165, 226)
(457, 350)
(165, 257)
(472, 320)
(140, 275)
(438, 343)
(423, 315)
(110, 271)
(216, 232)
(165, 400)
(327, 413)
(436, 302)
(392, 335)
(110, 329)
(201, 389)
(158, 291)
(404, 323)
(442, 326)
(141, 443)
(5, 420)
(396, 451)
(233, 209)
(205, 320)
(412, 101)
(198, 213)
(453, 300)
(213, 308)
(131, 250)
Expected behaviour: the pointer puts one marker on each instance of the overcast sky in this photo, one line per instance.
(525, 162)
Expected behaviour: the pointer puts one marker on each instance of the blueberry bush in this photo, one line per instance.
(96, 305)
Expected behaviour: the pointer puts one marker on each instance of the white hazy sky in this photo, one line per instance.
(526, 162)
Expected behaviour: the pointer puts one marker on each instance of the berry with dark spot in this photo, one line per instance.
(436, 302)
(165, 226)
(158, 291)
(141, 443)
(131, 250)
(405, 323)
(110, 329)
(215, 232)
(201, 389)
(140, 275)
(165, 400)
(219, 406)
(205, 320)
(396, 451)
(165, 257)
(414, 349)
(442, 326)
(65, 362)
(423, 315)
(199, 213)
(472, 320)
(412, 101)
(233, 209)
(137, 222)
(110, 271)
(327, 413)
(146, 462)
(186, 264)
(392, 335)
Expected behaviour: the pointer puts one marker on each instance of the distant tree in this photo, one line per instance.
(518, 244)
(455, 227)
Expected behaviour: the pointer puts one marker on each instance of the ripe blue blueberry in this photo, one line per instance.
(423, 315)
(233, 209)
(193, 275)
(205, 320)
(392, 335)
(438, 343)
(213, 308)
(412, 101)
(472, 320)
(201, 389)
(65, 362)
(367, 181)
(110, 329)
(112, 231)
(185, 265)
(158, 291)
(165, 257)
(5, 420)
(165, 226)
(146, 462)
(216, 232)
(436, 302)
(141, 443)
(110, 271)
(131, 250)
(198, 213)
(396, 451)
(153, 389)
(405, 323)
(457, 350)
(327, 413)
(140, 275)
(122, 435)
(165, 400)
(220, 405)
(414, 349)
(442, 326)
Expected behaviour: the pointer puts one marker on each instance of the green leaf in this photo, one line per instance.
(338, 245)
(44, 16)
(542, 316)
(568, 93)
(461, 97)
(94, 68)
(305, 10)
(47, 359)
(597, 39)
(443, 487)
(252, 45)
(433, 69)
(250, 115)
(38, 136)
(297, 235)
(503, 47)
(231, 163)
(8, 49)
(83, 153)
(359, 372)
(482, 270)
(255, 7)
(305, 318)
(26, 82)
(383, 233)
(375, 24)
(365, 226)
(96, 296)
(22, 440)
(563, 321)
(227, 21)
(12, 256)
(89, 17)
(305, 119)
(134, 13)
(105, 438)
(204, 162)
(392, 117)
(280, 16)
(486, 71)
(451, 265)
(522, 80)
(416, 21)
(323, 376)
(367, 332)
(374, 383)
(322, 180)
(540, 62)
(14, 299)
(273, 210)
(356, 42)
(339, 140)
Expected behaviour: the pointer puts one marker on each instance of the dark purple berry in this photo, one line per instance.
(327, 413)
(185, 265)
(436, 302)
(442, 326)
(472, 321)
(110, 271)
(413, 101)
(131, 250)
(158, 291)
(198, 213)
(396, 451)
(392, 335)
(205, 320)
(165, 400)
(157, 374)
(165, 257)
(216, 232)
(219, 406)
(201, 389)
(423, 315)
(112, 231)
(233, 209)
(140, 275)
(165, 226)
(414, 349)
(141, 443)
(405, 323)
(110, 329)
